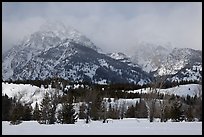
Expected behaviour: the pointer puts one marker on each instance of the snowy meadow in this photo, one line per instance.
(127, 126)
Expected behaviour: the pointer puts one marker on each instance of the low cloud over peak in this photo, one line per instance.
(114, 27)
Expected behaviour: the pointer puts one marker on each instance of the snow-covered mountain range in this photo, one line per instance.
(56, 50)
(178, 63)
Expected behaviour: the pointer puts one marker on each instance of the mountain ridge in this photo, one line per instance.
(71, 55)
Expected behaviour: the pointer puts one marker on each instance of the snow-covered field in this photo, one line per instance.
(128, 126)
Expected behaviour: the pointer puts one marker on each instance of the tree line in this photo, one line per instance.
(112, 86)
(100, 102)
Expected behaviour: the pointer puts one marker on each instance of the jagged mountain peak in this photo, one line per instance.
(165, 59)
(60, 30)
(66, 53)
(53, 33)
(150, 56)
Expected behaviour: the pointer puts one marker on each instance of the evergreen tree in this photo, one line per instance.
(36, 112)
(176, 112)
(16, 113)
(54, 103)
(69, 116)
(45, 109)
(48, 107)
(95, 105)
(27, 113)
(6, 107)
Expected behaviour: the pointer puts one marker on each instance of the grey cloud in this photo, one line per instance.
(112, 26)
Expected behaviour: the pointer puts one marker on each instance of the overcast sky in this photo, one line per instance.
(114, 27)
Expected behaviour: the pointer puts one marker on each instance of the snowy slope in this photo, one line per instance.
(181, 90)
(26, 92)
(180, 58)
(123, 58)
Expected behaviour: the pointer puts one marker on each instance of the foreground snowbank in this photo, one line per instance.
(129, 126)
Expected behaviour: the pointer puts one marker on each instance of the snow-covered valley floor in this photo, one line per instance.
(127, 126)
